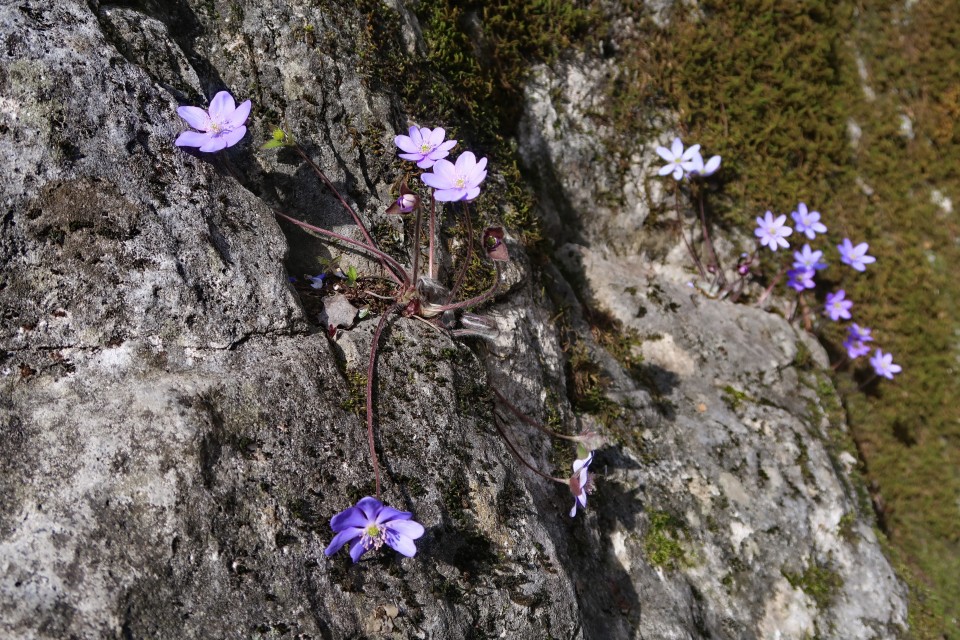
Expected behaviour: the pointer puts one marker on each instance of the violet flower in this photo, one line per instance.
(407, 201)
(855, 256)
(856, 340)
(700, 170)
(581, 483)
(316, 282)
(369, 525)
(217, 128)
(807, 222)
(424, 146)
(677, 159)
(836, 307)
(772, 232)
(883, 365)
(801, 278)
(459, 181)
(807, 258)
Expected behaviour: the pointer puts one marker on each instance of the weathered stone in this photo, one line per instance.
(175, 434)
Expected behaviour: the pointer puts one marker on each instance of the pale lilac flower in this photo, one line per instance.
(772, 232)
(837, 307)
(316, 282)
(369, 525)
(459, 181)
(700, 170)
(807, 222)
(801, 279)
(677, 159)
(581, 483)
(807, 258)
(855, 344)
(855, 256)
(883, 365)
(217, 128)
(424, 146)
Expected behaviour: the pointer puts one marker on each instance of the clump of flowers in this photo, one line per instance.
(772, 232)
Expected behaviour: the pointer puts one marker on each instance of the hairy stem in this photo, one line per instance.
(483, 297)
(769, 289)
(416, 245)
(371, 369)
(523, 461)
(721, 278)
(693, 254)
(433, 215)
(395, 267)
(530, 421)
(462, 271)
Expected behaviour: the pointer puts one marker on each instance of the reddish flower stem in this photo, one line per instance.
(530, 421)
(433, 215)
(521, 459)
(371, 366)
(483, 297)
(722, 279)
(769, 289)
(693, 254)
(416, 245)
(462, 271)
(396, 267)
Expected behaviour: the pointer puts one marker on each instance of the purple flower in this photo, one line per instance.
(857, 338)
(581, 483)
(700, 170)
(677, 159)
(424, 146)
(807, 222)
(316, 282)
(459, 181)
(407, 201)
(883, 365)
(837, 307)
(772, 232)
(801, 279)
(218, 128)
(806, 258)
(369, 525)
(855, 256)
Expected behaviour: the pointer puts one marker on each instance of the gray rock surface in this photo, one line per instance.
(175, 434)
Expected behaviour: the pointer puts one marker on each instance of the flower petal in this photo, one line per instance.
(446, 146)
(233, 137)
(192, 139)
(666, 169)
(238, 117)
(435, 180)
(222, 106)
(450, 195)
(351, 517)
(214, 143)
(389, 513)
(404, 143)
(402, 545)
(437, 136)
(466, 162)
(357, 549)
(408, 528)
(664, 153)
(676, 148)
(195, 117)
(472, 193)
(370, 507)
(341, 539)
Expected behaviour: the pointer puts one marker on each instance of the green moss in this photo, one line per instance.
(734, 398)
(819, 581)
(661, 544)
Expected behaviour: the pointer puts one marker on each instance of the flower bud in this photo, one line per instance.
(493, 243)
(407, 202)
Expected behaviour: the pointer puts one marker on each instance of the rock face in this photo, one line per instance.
(175, 434)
